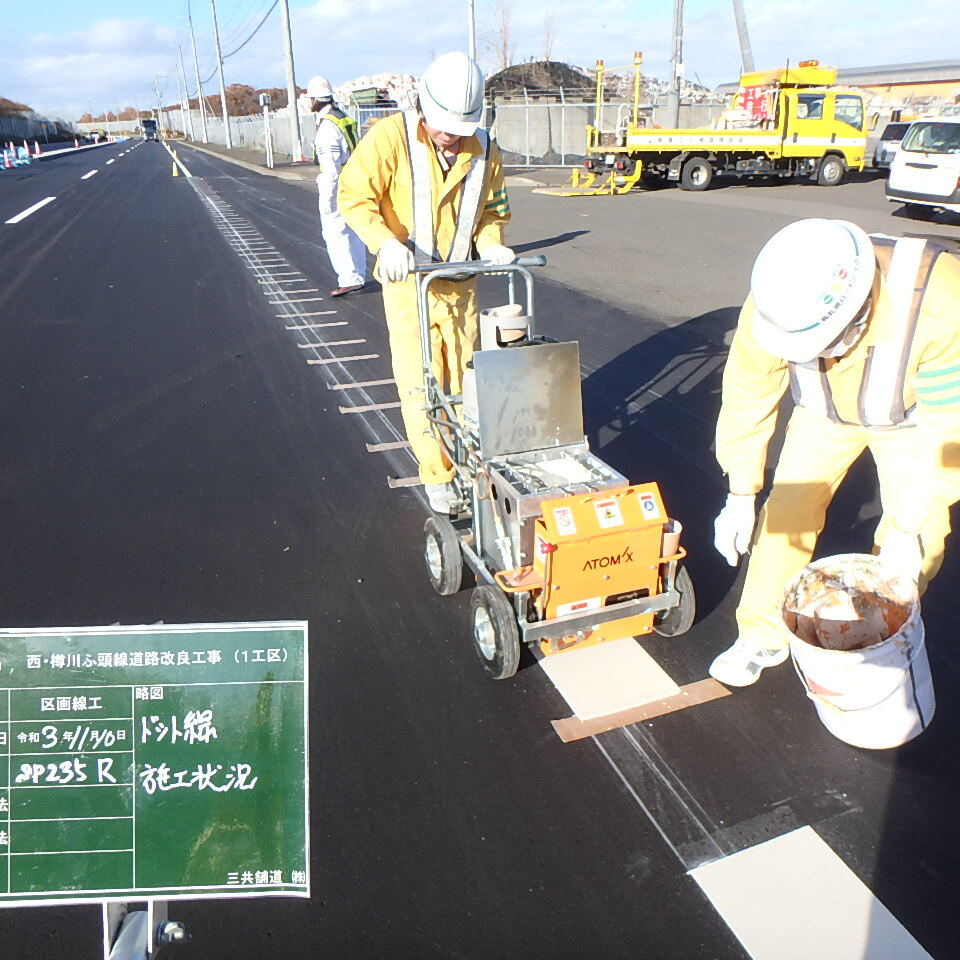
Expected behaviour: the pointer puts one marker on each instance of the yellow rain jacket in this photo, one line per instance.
(835, 419)
(376, 200)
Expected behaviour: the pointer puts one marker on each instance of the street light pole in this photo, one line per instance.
(746, 54)
(184, 102)
(228, 140)
(156, 87)
(196, 67)
(296, 144)
(677, 58)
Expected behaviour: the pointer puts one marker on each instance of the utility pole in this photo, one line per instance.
(296, 144)
(227, 139)
(196, 67)
(746, 54)
(156, 87)
(184, 100)
(673, 101)
(471, 31)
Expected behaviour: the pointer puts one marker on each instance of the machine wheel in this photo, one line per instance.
(495, 633)
(441, 552)
(678, 619)
(830, 172)
(697, 174)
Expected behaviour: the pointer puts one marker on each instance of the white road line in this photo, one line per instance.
(329, 343)
(87, 176)
(301, 300)
(26, 213)
(793, 898)
(109, 162)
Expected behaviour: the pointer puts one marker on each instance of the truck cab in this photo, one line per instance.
(149, 128)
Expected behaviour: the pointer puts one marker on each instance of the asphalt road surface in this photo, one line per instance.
(169, 454)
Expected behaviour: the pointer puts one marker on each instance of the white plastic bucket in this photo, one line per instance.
(877, 697)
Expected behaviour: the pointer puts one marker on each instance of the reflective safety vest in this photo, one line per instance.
(422, 236)
(347, 125)
(880, 401)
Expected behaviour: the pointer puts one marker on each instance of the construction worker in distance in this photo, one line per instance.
(426, 185)
(335, 140)
(866, 330)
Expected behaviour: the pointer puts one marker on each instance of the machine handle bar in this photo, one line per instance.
(480, 266)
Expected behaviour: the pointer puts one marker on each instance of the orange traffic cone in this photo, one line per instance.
(76, 142)
(7, 162)
(36, 148)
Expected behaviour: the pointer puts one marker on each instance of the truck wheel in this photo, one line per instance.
(830, 172)
(678, 619)
(495, 634)
(697, 174)
(441, 551)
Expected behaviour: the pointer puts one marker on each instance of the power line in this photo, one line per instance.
(256, 29)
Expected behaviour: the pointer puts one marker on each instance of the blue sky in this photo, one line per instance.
(62, 55)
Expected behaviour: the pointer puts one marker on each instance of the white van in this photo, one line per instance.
(926, 169)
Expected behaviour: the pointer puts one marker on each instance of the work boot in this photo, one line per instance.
(741, 664)
(440, 496)
(343, 291)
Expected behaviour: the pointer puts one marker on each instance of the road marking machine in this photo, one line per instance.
(566, 552)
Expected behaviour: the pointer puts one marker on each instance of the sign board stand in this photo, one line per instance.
(143, 764)
(138, 935)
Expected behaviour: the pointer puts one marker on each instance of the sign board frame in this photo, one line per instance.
(289, 660)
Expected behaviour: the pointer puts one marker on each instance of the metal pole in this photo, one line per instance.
(227, 139)
(296, 144)
(267, 137)
(196, 68)
(746, 54)
(185, 97)
(471, 31)
(156, 87)
(676, 57)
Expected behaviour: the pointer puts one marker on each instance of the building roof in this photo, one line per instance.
(927, 71)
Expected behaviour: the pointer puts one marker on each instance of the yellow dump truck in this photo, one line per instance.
(784, 123)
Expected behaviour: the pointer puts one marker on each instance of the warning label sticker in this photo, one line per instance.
(578, 606)
(563, 518)
(608, 513)
(649, 508)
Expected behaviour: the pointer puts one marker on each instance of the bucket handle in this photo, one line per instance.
(817, 698)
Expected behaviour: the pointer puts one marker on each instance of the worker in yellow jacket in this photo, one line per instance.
(866, 332)
(426, 185)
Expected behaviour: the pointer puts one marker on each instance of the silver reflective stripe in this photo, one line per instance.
(809, 391)
(881, 395)
(423, 236)
(470, 197)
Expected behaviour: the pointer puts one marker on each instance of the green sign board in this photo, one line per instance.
(153, 762)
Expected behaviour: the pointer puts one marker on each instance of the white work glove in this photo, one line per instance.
(497, 254)
(902, 554)
(394, 261)
(733, 528)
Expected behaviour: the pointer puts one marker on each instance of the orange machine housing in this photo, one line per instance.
(597, 549)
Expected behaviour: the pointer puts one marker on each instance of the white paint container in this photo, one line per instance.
(876, 697)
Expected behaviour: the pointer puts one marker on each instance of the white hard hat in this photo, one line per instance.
(451, 94)
(809, 282)
(319, 88)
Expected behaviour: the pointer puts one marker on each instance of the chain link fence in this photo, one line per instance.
(529, 134)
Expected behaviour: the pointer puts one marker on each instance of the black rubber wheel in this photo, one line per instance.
(831, 171)
(919, 211)
(441, 553)
(679, 619)
(495, 634)
(697, 174)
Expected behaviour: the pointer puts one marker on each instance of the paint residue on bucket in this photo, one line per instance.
(852, 605)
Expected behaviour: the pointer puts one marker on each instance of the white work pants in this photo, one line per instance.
(348, 256)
